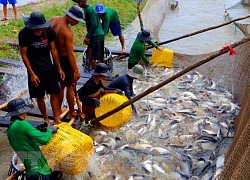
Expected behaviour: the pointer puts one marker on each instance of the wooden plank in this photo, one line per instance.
(5, 122)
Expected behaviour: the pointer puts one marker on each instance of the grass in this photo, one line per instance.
(126, 9)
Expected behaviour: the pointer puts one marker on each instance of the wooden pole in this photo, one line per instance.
(139, 14)
(172, 78)
(78, 102)
(200, 31)
(4, 105)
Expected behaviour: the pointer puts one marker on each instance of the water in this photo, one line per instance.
(190, 16)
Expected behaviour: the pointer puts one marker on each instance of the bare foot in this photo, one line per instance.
(57, 120)
(46, 119)
(72, 114)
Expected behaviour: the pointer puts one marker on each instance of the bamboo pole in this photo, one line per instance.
(4, 105)
(172, 78)
(200, 31)
(78, 102)
(139, 14)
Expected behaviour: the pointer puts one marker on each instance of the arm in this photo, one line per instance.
(36, 135)
(152, 43)
(34, 79)
(71, 56)
(56, 59)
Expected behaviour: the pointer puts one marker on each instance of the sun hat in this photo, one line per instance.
(37, 21)
(99, 8)
(75, 12)
(18, 106)
(101, 69)
(137, 72)
(145, 35)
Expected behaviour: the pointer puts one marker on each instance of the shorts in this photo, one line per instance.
(48, 83)
(8, 1)
(95, 50)
(67, 69)
(131, 65)
(115, 28)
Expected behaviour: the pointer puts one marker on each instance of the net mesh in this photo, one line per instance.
(233, 73)
(69, 150)
(153, 15)
(109, 102)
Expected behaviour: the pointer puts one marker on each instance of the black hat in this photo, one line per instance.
(101, 69)
(144, 35)
(76, 13)
(18, 106)
(37, 21)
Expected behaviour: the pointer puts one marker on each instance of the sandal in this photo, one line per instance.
(4, 19)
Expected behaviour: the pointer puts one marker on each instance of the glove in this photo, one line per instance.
(42, 127)
(96, 103)
(53, 128)
(119, 91)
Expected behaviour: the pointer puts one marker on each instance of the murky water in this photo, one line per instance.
(190, 16)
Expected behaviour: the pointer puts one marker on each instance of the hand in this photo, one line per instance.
(119, 91)
(35, 80)
(160, 48)
(42, 127)
(96, 103)
(62, 75)
(86, 41)
(53, 128)
(76, 76)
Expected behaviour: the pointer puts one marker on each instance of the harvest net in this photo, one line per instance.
(153, 15)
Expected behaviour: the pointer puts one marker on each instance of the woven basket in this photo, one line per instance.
(68, 150)
(109, 102)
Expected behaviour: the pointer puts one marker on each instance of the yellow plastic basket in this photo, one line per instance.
(68, 150)
(163, 57)
(109, 102)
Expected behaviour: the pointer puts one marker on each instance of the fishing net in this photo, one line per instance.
(153, 15)
(231, 72)
(245, 28)
(109, 102)
(69, 150)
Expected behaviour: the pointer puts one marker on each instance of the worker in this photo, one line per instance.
(65, 49)
(137, 51)
(110, 20)
(94, 38)
(91, 92)
(25, 140)
(125, 82)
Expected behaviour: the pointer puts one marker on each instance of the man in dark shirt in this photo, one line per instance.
(93, 90)
(36, 42)
(95, 34)
(125, 82)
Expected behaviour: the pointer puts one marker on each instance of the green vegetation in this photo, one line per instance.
(126, 9)
(9, 52)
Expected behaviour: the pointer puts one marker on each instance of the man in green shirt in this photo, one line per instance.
(110, 20)
(137, 51)
(95, 35)
(25, 140)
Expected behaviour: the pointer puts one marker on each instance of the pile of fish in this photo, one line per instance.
(181, 131)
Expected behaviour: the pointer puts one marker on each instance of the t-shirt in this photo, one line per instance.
(25, 140)
(93, 24)
(38, 48)
(123, 83)
(110, 16)
(91, 90)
